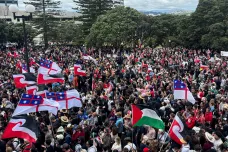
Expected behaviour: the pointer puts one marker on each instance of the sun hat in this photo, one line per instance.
(64, 119)
(209, 137)
(59, 137)
(196, 129)
(60, 129)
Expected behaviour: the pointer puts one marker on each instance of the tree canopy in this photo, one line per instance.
(207, 27)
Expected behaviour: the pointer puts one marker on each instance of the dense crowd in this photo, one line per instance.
(138, 76)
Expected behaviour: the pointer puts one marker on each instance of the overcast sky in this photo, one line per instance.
(143, 5)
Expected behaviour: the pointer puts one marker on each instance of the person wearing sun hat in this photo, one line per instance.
(64, 120)
(209, 141)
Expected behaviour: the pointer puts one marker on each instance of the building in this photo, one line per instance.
(8, 2)
(116, 3)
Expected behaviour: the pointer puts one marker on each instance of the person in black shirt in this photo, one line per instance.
(2, 143)
(49, 147)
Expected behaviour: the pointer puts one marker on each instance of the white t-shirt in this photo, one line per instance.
(130, 146)
(116, 146)
(185, 148)
(92, 149)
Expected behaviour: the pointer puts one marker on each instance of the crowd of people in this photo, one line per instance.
(138, 76)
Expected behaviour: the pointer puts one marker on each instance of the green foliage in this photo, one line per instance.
(14, 32)
(3, 32)
(90, 10)
(206, 28)
(51, 6)
(117, 26)
(67, 32)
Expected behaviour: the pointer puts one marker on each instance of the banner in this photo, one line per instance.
(223, 53)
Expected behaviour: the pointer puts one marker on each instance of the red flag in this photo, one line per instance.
(23, 80)
(9, 54)
(177, 130)
(45, 79)
(37, 90)
(78, 70)
(23, 126)
(19, 64)
(15, 55)
(32, 62)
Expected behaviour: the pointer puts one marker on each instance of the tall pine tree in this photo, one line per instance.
(51, 6)
(90, 10)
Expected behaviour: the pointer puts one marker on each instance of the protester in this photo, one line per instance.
(109, 83)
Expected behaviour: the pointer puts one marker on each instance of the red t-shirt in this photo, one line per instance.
(190, 122)
(208, 116)
(78, 134)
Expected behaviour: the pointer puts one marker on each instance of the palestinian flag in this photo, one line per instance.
(178, 130)
(142, 115)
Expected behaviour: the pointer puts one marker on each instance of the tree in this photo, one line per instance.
(90, 10)
(203, 30)
(51, 6)
(16, 33)
(118, 26)
(50, 25)
(68, 32)
(3, 31)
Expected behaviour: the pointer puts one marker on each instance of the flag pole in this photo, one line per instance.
(167, 133)
(52, 130)
(132, 134)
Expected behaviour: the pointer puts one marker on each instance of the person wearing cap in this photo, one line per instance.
(218, 141)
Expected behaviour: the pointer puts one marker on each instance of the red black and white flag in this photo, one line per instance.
(15, 54)
(32, 62)
(49, 67)
(23, 80)
(9, 54)
(24, 127)
(177, 131)
(45, 79)
(78, 70)
(25, 69)
(37, 90)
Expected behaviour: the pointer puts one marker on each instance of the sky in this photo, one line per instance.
(143, 5)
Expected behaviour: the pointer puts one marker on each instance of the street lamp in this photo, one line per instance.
(29, 9)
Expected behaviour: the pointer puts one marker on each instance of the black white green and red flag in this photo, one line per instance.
(24, 127)
(142, 115)
(177, 130)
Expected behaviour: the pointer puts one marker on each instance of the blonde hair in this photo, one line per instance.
(117, 140)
